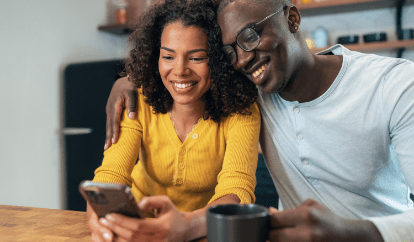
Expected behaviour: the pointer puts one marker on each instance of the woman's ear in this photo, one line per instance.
(293, 18)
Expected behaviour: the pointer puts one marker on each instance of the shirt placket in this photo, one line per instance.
(301, 139)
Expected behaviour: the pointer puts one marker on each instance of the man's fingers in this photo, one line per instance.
(108, 139)
(116, 120)
(285, 234)
(273, 210)
(286, 218)
(305, 212)
(131, 103)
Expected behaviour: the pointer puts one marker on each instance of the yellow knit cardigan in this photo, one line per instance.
(215, 160)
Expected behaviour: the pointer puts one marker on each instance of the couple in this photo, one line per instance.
(336, 130)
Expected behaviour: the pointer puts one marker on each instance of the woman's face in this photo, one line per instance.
(183, 63)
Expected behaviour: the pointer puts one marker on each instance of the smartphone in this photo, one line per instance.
(109, 198)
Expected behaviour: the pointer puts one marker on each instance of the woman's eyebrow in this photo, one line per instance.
(196, 50)
(190, 51)
(168, 49)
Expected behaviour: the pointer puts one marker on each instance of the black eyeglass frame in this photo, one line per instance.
(253, 27)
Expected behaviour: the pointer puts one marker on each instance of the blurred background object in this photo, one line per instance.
(406, 34)
(348, 39)
(121, 14)
(320, 37)
(375, 37)
(85, 87)
(309, 39)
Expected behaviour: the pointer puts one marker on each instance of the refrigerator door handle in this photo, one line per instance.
(75, 131)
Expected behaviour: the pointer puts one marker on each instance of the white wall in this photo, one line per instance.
(36, 38)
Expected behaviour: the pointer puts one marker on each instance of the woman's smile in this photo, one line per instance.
(183, 85)
(183, 88)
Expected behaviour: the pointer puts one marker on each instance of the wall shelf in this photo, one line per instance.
(319, 8)
(341, 6)
(330, 3)
(116, 29)
(367, 47)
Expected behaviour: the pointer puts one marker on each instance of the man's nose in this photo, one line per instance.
(243, 58)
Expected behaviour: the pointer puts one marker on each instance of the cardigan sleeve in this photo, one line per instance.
(120, 158)
(238, 174)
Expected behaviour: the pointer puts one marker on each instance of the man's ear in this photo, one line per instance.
(293, 18)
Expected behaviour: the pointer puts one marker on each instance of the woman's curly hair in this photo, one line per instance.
(230, 92)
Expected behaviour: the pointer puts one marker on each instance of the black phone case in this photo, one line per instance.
(109, 198)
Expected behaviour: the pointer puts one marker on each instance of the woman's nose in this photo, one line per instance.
(180, 67)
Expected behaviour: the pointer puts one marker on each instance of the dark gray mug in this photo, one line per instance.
(237, 223)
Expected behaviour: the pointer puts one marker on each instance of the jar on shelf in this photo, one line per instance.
(121, 13)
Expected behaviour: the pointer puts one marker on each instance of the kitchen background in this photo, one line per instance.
(39, 39)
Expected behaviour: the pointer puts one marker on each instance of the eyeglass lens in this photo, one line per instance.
(247, 40)
(230, 54)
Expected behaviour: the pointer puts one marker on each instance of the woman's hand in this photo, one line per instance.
(99, 233)
(169, 225)
(123, 95)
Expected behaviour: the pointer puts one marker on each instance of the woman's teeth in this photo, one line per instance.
(184, 85)
(259, 71)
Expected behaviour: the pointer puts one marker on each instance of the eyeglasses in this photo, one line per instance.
(247, 39)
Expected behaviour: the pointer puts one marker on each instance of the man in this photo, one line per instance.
(336, 132)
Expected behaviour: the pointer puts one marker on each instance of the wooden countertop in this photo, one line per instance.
(41, 224)
(44, 225)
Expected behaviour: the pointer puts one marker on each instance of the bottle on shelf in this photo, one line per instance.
(117, 12)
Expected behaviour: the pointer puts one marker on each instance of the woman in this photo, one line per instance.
(196, 129)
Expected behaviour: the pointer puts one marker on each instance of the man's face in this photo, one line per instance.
(267, 65)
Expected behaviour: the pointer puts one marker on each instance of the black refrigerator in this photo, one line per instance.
(85, 88)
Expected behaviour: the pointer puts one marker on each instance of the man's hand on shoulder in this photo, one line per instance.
(124, 94)
(312, 221)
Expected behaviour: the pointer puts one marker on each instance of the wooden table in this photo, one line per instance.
(42, 225)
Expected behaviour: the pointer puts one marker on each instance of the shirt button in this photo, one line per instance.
(181, 166)
(305, 162)
(182, 151)
(179, 181)
(296, 110)
(195, 136)
(300, 137)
